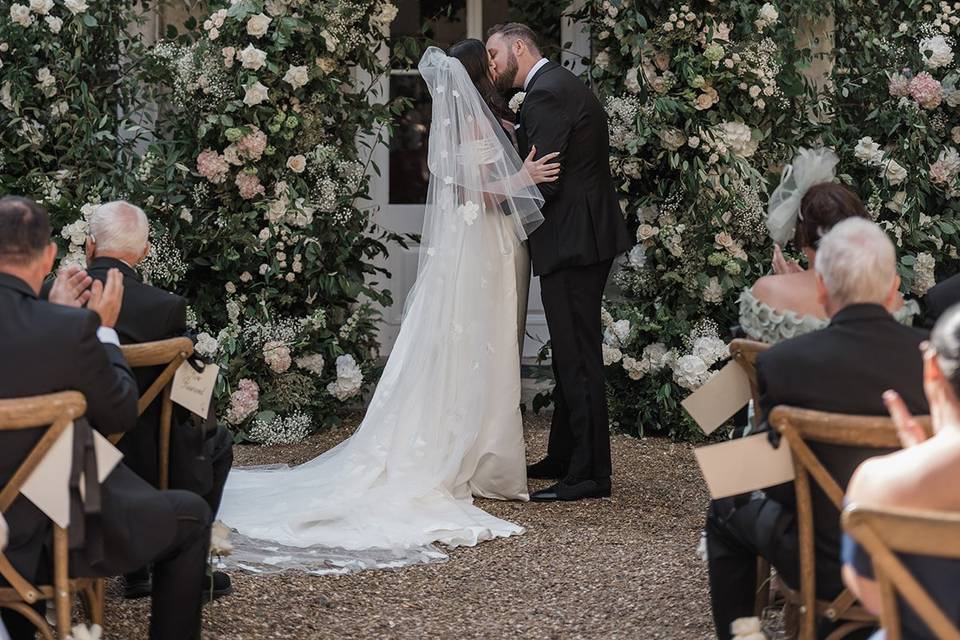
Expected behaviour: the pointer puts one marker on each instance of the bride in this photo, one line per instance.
(444, 423)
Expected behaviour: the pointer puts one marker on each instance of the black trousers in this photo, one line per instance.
(580, 432)
(739, 530)
(178, 574)
(219, 448)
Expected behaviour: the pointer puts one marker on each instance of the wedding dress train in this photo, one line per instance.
(444, 423)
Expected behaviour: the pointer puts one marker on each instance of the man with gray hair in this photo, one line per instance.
(200, 450)
(844, 368)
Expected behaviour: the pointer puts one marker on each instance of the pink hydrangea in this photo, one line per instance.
(252, 145)
(212, 166)
(277, 356)
(249, 185)
(899, 85)
(244, 401)
(926, 90)
(940, 173)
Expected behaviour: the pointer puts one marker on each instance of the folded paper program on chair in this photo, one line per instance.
(48, 487)
(723, 395)
(744, 465)
(193, 389)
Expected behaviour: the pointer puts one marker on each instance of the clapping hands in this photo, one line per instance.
(73, 287)
(781, 265)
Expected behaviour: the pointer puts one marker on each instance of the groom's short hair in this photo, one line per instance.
(514, 31)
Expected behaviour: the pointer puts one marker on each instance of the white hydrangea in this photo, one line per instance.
(658, 356)
(936, 52)
(617, 333)
(635, 369)
(312, 362)
(738, 137)
(76, 6)
(710, 349)
(611, 355)
(924, 274)
(349, 379)
(690, 372)
(637, 256)
(206, 345)
(20, 15)
(768, 16)
(41, 7)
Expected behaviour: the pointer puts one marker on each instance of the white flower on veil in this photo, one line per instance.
(470, 211)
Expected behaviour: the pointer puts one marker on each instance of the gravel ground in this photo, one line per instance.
(624, 567)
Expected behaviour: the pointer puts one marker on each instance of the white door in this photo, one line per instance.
(400, 189)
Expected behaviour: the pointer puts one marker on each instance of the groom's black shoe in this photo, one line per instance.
(563, 491)
(546, 469)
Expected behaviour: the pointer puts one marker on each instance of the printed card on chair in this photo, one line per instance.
(722, 396)
(48, 487)
(744, 465)
(192, 390)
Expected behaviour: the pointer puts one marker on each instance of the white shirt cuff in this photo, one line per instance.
(107, 335)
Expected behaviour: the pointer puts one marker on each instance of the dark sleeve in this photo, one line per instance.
(177, 319)
(106, 381)
(768, 396)
(855, 556)
(548, 129)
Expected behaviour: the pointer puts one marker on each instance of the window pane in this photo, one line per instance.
(409, 175)
(430, 22)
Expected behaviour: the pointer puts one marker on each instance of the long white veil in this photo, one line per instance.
(406, 477)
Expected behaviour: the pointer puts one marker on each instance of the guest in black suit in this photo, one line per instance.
(119, 240)
(49, 347)
(572, 252)
(844, 368)
(940, 298)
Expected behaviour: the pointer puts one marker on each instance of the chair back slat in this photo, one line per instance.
(868, 432)
(40, 411)
(151, 354)
(172, 353)
(745, 354)
(884, 533)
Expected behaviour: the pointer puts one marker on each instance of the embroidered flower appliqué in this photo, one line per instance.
(470, 211)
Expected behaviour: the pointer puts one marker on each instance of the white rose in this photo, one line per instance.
(41, 7)
(256, 93)
(297, 76)
(894, 172)
(516, 101)
(20, 14)
(867, 151)
(76, 6)
(54, 23)
(297, 163)
(258, 25)
(936, 52)
(638, 256)
(252, 58)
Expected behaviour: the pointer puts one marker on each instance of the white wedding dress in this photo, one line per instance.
(444, 423)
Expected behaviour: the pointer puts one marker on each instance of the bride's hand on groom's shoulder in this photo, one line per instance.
(542, 170)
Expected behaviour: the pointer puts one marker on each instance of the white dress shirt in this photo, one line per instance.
(533, 72)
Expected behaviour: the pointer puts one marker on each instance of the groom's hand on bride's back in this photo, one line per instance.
(542, 170)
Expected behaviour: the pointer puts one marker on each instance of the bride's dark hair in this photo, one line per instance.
(472, 53)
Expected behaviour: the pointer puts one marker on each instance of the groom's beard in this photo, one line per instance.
(506, 78)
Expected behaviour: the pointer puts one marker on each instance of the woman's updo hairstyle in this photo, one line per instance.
(823, 206)
(945, 339)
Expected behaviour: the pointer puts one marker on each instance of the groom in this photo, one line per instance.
(572, 252)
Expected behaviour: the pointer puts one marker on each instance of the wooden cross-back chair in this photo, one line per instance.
(745, 353)
(172, 353)
(799, 427)
(885, 533)
(54, 411)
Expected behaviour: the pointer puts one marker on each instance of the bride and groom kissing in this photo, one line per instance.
(444, 423)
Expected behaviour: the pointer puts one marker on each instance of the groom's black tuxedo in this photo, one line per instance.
(582, 223)
(572, 251)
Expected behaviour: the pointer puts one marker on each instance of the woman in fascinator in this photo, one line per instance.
(802, 209)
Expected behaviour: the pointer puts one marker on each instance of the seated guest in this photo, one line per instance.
(787, 304)
(843, 368)
(923, 475)
(119, 240)
(941, 297)
(50, 347)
